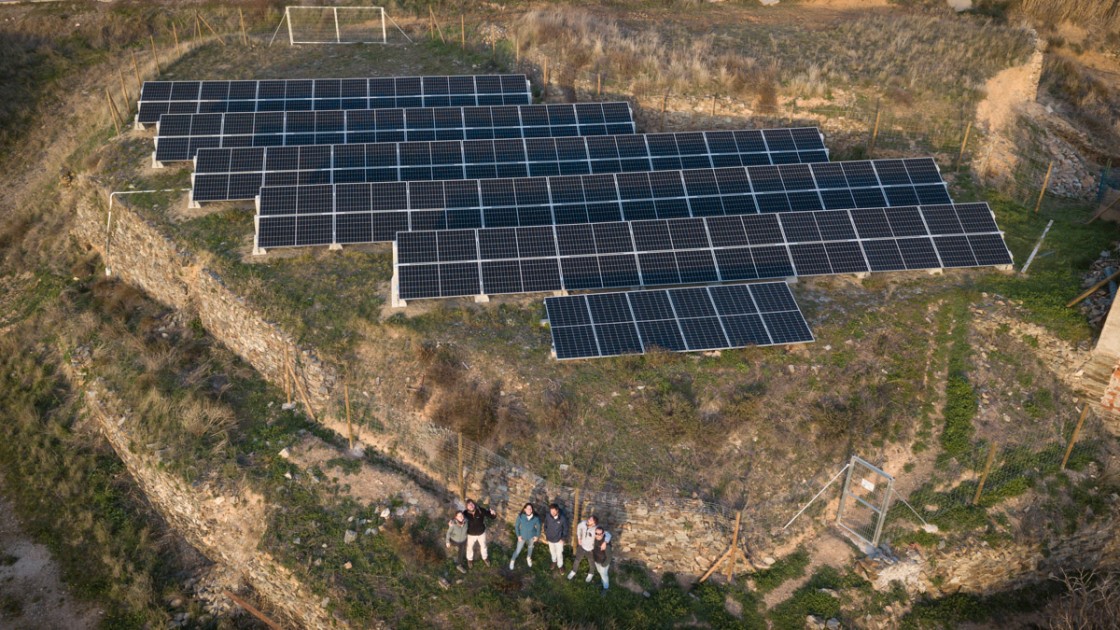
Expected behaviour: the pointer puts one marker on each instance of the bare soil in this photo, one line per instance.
(32, 594)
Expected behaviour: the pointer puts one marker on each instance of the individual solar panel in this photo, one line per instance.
(180, 136)
(615, 197)
(650, 254)
(217, 97)
(485, 159)
(678, 320)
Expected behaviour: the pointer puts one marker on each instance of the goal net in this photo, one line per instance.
(336, 25)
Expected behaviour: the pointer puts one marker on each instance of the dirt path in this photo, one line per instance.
(829, 548)
(32, 594)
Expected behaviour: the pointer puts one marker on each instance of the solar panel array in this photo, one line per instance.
(677, 320)
(180, 136)
(287, 95)
(491, 261)
(483, 193)
(376, 212)
(239, 173)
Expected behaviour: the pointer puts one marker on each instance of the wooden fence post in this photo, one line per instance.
(577, 515)
(124, 88)
(175, 35)
(1073, 438)
(303, 395)
(113, 112)
(714, 105)
(197, 25)
(984, 475)
(211, 28)
(349, 425)
(875, 129)
(664, 104)
(462, 476)
(964, 143)
(244, 34)
(734, 546)
(516, 50)
(1045, 183)
(136, 69)
(462, 30)
(155, 54)
(599, 85)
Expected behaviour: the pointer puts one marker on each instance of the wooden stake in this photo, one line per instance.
(211, 28)
(197, 25)
(436, 22)
(253, 611)
(734, 546)
(244, 34)
(599, 85)
(136, 69)
(462, 477)
(715, 565)
(1103, 209)
(287, 381)
(1073, 438)
(302, 394)
(984, 475)
(113, 112)
(516, 50)
(664, 104)
(462, 30)
(544, 73)
(713, 106)
(1092, 289)
(349, 426)
(175, 36)
(964, 143)
(576, 513)
(875, 130)
(1045, 183)
(155, 54)
(124, 88)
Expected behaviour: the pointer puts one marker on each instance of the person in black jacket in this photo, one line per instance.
(555, 533)
(476, 530)
(601, 556)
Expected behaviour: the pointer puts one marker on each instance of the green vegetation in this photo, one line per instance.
(787, 568)
(960, 398)
(1001, 608)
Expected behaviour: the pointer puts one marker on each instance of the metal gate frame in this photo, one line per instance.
(880, 511)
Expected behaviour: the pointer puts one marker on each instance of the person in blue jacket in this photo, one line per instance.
(528, 528)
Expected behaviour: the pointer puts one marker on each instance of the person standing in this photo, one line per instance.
(555, 533)
(585, 539)
(601, 555)
(457, 535)
(528, 529)
(476, 518)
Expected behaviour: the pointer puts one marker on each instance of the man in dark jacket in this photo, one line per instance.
(601, 555)
(476, 517)
(555, 533)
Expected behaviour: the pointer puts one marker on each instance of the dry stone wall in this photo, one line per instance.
(683, 537)
(225, 527)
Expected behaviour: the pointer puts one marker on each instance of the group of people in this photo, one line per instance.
(468, 529)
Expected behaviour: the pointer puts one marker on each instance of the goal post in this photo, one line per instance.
(336, 25)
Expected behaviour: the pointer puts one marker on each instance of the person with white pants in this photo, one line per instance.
(555, 531)
(476, 518)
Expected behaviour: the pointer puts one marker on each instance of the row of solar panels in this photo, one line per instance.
(205, 97)
(563, 197)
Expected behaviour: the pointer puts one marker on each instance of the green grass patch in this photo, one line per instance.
(1000, 608)
(785, 569)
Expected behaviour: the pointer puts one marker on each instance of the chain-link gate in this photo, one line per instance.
(864, 501)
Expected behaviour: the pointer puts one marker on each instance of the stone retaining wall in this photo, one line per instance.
(225, 527)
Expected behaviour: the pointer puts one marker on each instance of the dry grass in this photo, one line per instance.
(1103, 15)
(927, 54)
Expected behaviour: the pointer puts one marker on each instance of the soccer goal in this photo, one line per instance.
(336, 25)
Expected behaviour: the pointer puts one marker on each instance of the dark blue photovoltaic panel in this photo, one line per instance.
(709, 318)
(195, 97)
(180, 136)
(559, 200)
(655, 256)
